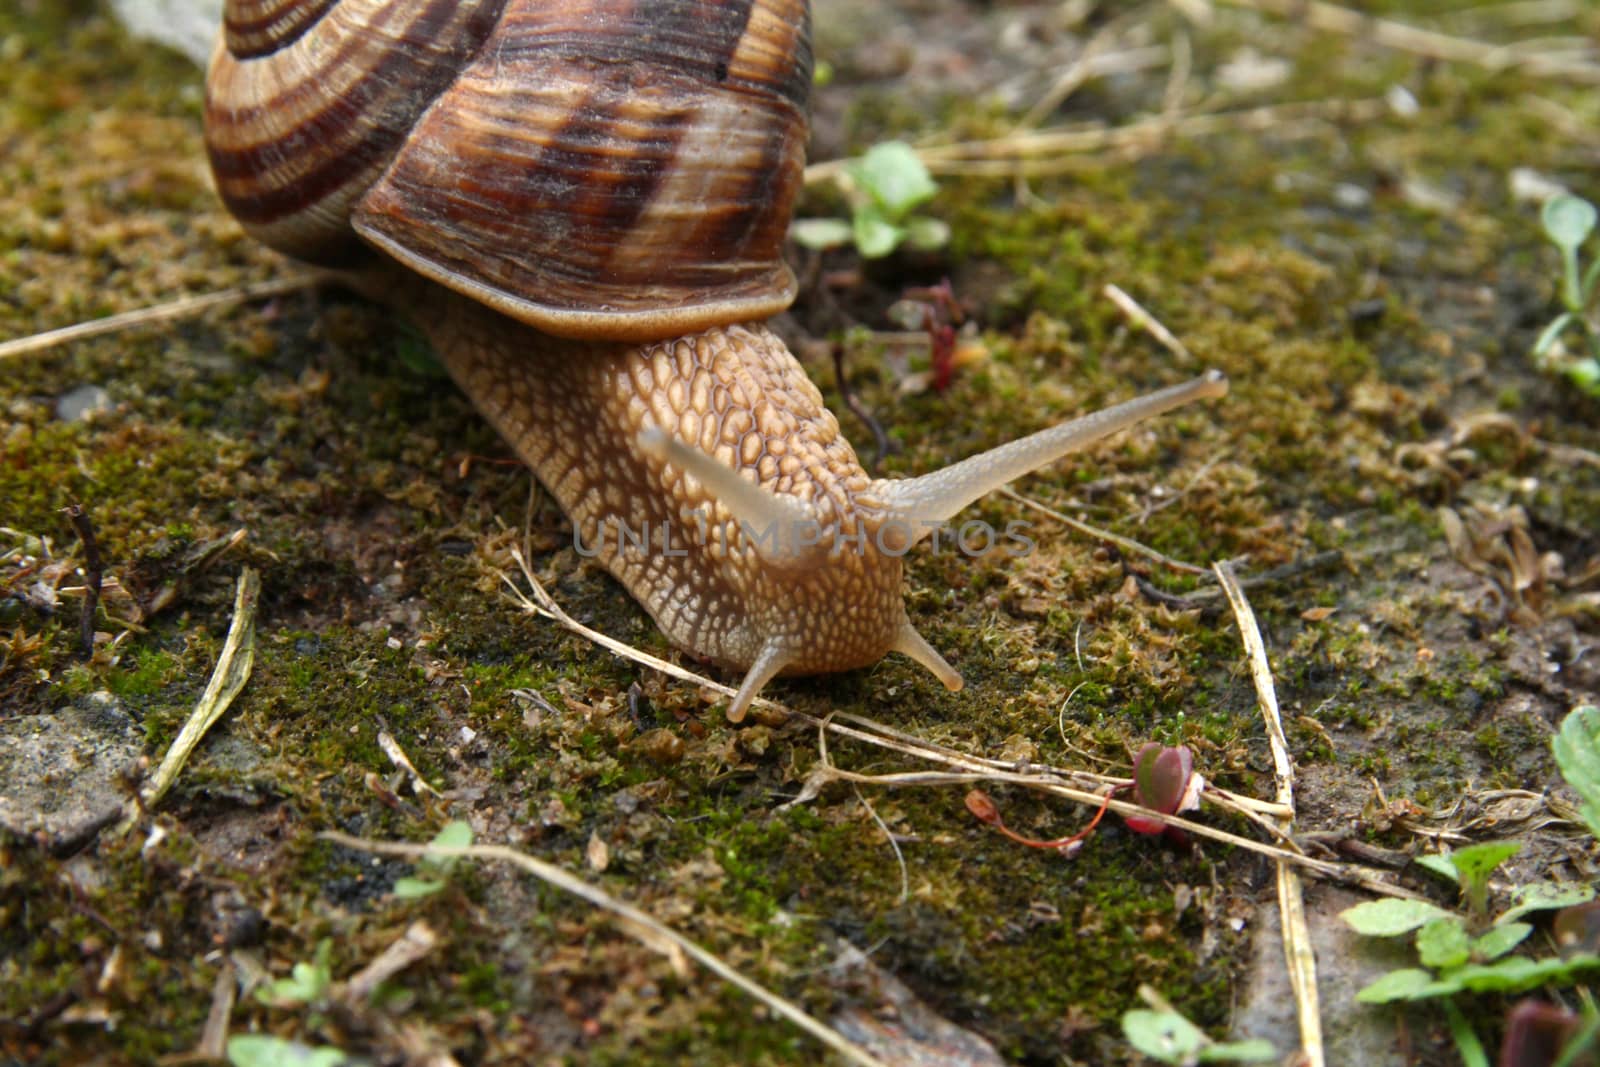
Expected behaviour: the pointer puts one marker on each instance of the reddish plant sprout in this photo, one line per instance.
(1164, 781)
(986, 811)
(935, 310)
(1536, 1034)
(1577, 929)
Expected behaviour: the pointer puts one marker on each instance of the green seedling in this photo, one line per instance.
(1167, 1037)
(1163, 781)
(883, 187)
(306, 984)
(455, 834)
(1577, 751)
(264, 1050)
(1469, 952)
(1568, 221)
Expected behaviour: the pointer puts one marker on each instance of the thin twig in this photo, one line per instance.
(655, 933)
(413, 945)
(1525, 57)
(868, 731)
(93, 573)
(1297, 951)
(1092, 62)
(880, 438)
(176, 309)
(1127, 544)
(1001, 156)
(1149, 323)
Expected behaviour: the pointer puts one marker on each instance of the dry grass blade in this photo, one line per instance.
(1291, 896)
(1040, 151)
(1127, 544)
(634, 922)
(413, 945)
(177, 309)
(1527, 57)
(227, 679)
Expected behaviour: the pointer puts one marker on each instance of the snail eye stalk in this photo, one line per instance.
(923, 503)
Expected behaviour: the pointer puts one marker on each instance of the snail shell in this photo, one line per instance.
(623, 170)
(584, 205)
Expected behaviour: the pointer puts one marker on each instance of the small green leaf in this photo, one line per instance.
(926, 235)
(1585, 374)
(416, 355)
(1577, 750)
(875, 237)
(1442, 944)
(821, 234)
(895, 179)
(456, 834)
(264, 1050)
(1255, 1050)
(1477, 862)
(1390, 918)
(1403, 984)
(1568, 221)
(1514, 973)
(1439, 864)
(1500, 940)
(1162, 1035)
(1545, 896)
(1552, 333)
(412, 888)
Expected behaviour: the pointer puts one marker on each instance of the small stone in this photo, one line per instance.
(81, 403)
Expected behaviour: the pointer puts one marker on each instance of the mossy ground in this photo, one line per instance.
(1369, 336)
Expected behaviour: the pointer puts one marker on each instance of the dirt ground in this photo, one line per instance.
(1341, 218)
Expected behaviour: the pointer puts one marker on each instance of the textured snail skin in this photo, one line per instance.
(583, 204)
(574, 413)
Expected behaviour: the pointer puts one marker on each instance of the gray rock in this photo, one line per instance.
(62, 774)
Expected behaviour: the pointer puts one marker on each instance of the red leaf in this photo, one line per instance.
(982, 807)
(1535, 1034)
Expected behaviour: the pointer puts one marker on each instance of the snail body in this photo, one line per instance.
(583, 205)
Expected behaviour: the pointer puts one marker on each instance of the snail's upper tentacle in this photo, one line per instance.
(923, 503)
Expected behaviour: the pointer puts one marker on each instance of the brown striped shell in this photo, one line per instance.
(596, 168)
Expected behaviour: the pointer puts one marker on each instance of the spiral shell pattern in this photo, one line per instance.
(622, 169)
(260, 27)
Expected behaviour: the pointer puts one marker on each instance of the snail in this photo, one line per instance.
(583, 204)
